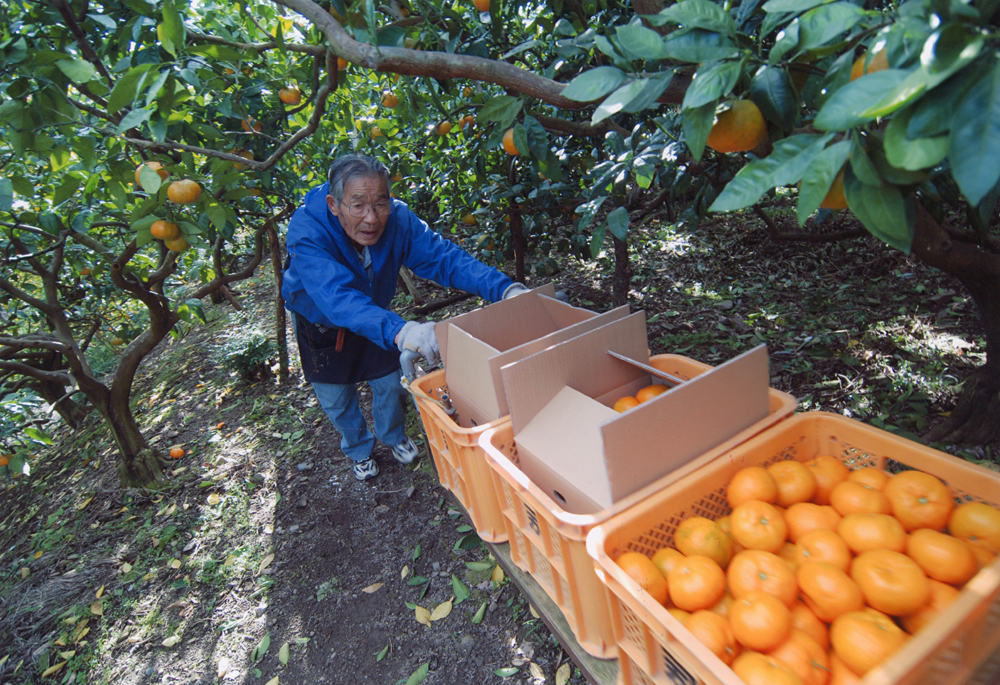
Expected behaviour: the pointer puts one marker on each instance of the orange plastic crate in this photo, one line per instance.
(458, 458)
(656, 649)
(549, 543)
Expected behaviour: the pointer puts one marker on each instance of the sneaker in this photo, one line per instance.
(405, 452)
(365, 470)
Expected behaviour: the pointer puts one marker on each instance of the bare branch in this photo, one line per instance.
(27, 342)
(270, 45)
(26, 370)
(801, 236)
(81, 38)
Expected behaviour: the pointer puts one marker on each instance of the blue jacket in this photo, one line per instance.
(326, 285)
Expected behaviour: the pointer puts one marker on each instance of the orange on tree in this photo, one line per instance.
(650, 391)
(755, 668)
(803, 655)
(164, 230)
(850, 497)
(942, 595)
(640, 568)
(245, 154)
(469, 219)
(482, 5)
(977, 523)
(828, 471)
(872, 477)
(751, 483)
(397, 178)
(177, 244)
(879, 62)
(184, 192)
(739, 129)
(696, 582)
(823, 545)
(155, 166)
(835, 198)
(864, 639)
(828, 591)
(4, 459)
(795, 482)
(891, 582)
(806, 516)
(375, 132)
(290, 95)
(86, 271)
(864, 532)
(444, 128)
(759, 525)
(176, 452)
(117, 342)
(389, 100)
(714, 632)
(754, 570)
(699, 535)
(342, 64)
(508, 143)
(760, 621)
(249, 125)
(625, 403)
(919, 500)
(466, 121)
(942, 557)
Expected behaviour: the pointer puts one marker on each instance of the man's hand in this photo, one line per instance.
(420, 338)
(514, 290)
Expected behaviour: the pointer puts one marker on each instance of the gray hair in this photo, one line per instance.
(349, 167)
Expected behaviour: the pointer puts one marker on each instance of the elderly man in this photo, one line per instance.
(346, 244)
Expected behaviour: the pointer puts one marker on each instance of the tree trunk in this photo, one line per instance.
(620, 278)
(279, 304)
(976, 417)
(139, 466)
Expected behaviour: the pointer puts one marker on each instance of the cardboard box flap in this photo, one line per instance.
(569, 425)
(665, 433)
(478, 322)
(581, 363)
(568, 329)
(466, 376)
(651, 370)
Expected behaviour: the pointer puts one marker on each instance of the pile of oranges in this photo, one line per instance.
(820, 573)
(644, 395)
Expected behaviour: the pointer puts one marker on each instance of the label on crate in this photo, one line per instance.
(532, 520)
(676, 673)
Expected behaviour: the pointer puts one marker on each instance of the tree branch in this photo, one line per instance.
(81, 38)
(801, 236)
(26, 370)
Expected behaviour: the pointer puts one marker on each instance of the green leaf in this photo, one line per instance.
(77, 70)
(418, 675)
(416, 553)
(6, 194)
(819, 176)
(258, 653)
(283, 654)
(479, 565)
(785, 41)
(477, 617)
(974, 140)
(458, 587)
(699, 46)
(632, 97)
(135, 118)
(944, 53)
(711, 82)
(597, 240)
(847, 107)
(760, 175)
(697, 124)
(217, 215)
(882, 211)
(919, 153)
(416, 580)
(381, 653)
(791, 5)
(642, 42)
(590, 85)
(149, 179)
(696, 14)
(826, 22)
(506, 672)
(772, 91)
(171, 30)
(127, 87)
(652, 89)
(521, 139)
(501, 109)
(618, 223)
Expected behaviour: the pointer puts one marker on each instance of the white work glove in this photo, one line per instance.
(513, 290)
(420, 338)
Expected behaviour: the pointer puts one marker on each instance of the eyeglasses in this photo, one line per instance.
(360, 209)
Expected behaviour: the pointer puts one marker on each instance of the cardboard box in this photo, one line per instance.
(476, 345)
(587, 456)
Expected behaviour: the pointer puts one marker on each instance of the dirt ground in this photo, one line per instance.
(180, 586)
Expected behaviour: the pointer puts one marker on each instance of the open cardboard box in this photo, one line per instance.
(476, 345)
(587, 456)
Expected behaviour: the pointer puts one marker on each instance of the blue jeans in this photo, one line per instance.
(340, 402)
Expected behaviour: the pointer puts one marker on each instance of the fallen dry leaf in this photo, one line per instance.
(272, 681)
(67, 655)
(214, 499)
(563, 673)
(100, 592)
(175, 563)
(25, 572)
(126, 567)
(85, 503)
(405, 572)
(531, 608)
(536, 671)
(96, 609)
(372, 588)
(53, 669)
(422, 615)
(265, 563)
(171, 641)
(223, 667)
(498, 575)
(38, 554)
(441, 610)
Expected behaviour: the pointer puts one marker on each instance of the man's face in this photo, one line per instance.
(364, 190)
